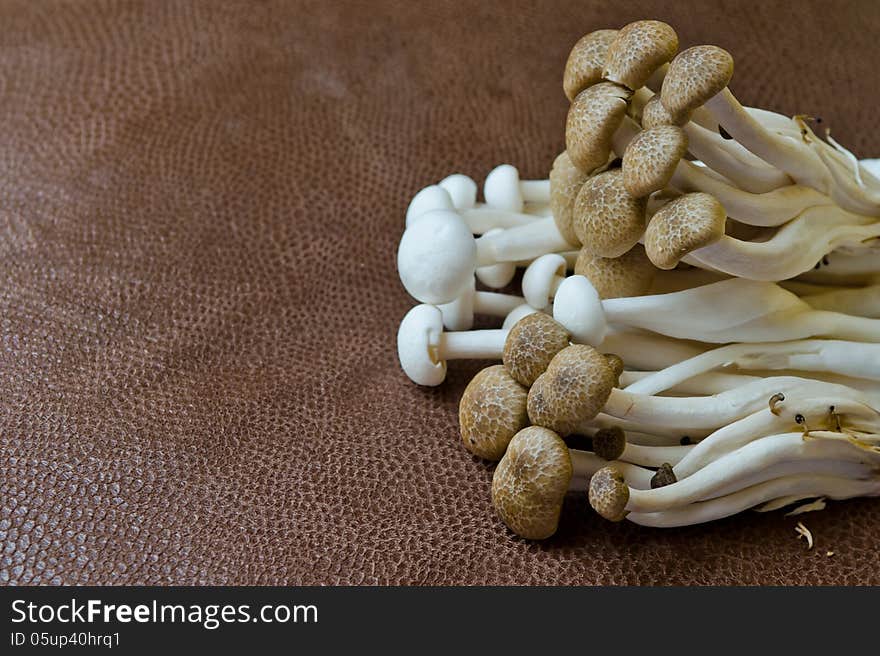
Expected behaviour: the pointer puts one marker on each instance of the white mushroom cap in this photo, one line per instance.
(459, 314)
(436, 257)
(426, 200)
(516, 314)
(496, 275)
(537, 282)
(577, 306)
(418, 342)
(502, 189)
(462, 189)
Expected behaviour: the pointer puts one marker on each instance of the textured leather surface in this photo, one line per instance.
(199, 210)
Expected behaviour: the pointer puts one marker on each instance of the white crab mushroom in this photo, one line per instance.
(531, 481)
(699, 76)
(608, 220)
(651, 158)
(593, 118)
(492, 410)
(862, 301)
(429, 199)
(497, 275)
(790, 488)
(630, 274)
(586, 62)
(504, 189)
(462, 190)
(459, 314)
(516, 314)
(637, 51)
(855, 359)
(542, 278)
(757, 462)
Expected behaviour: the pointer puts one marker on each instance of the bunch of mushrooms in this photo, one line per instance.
(699, 298)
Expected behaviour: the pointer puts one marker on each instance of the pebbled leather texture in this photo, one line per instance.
(200, 205)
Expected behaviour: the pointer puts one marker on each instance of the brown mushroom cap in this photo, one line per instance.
(651, 157)
(664, 476)
(631, 274)
(491, 412)
(616, 363)
(586, 61)
(683, 225)
(654, 114)
(608, 220)
(531, 344)
(609, 443)
(638, 50)
(593, 118)
(573, 390)
(530, 482)
(694, 76)
(609, 493)
(566, 181)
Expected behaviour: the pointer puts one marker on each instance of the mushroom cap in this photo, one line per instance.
(462, 190)
(573, 390)
(695, 76)
(432, 197)
(566, 181)
(501, 189)
(651, 157)
(638, 50)
(683, 225)
(538, 279)
(631, 274)
(516, 314)
(592, 120)
(530, 346)
(418, 343)
(578, 308)
(459, 314)
(586, 62)
(609, 443)
(608, 220)
(496, 275)
(664, 476)
(609, 493)
(436, 257)
(491, 412)
(530, 483)
(616, 363)
(654, 114)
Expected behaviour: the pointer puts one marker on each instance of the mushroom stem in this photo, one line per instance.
(798, 486)
(859, 360)
(864, 301)
(471, 345)
(759, 461)
(525, 242)
(704, 384)
(585, 464)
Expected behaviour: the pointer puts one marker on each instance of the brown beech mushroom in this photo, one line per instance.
(609, 443)
(609, 493)
(655, 114)
(694, 76)
(651, 158)
(531, 345)
(566, 181)
(530, 482)
(631, 274)
(586, 62)
(608, 220)
(638, 50)
(592, 120)
(573, 389)
(491, 412)
(683, 225)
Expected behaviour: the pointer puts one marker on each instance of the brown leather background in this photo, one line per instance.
(200, 205)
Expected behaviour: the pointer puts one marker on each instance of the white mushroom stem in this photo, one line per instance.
(654, 456)
(648, 351)
(856, 359)
(794, 487)
(701, 385)
(840, 268)
(702, 412)
(765, 459)
(471, 345)
(585, 464)
(525, 242)
(748, 311)
(482, 219)
(855, 417)
(806, 165)
(861, 301)
(793, 249)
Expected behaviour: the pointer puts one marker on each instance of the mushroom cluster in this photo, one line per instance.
(699, 304)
